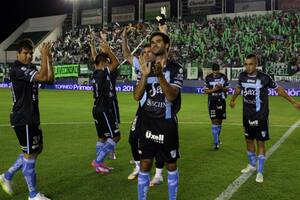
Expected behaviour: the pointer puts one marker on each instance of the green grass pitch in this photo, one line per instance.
(64, 172)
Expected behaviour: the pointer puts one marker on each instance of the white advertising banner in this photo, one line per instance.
(122, 13)
(201, 3)
(92, 16)
(249, 5)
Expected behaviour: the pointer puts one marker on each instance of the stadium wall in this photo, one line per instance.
(50, 23)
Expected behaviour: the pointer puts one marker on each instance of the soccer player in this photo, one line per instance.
(105, 109)
(216, 88)
(158, 92)
(133, 136)
(254, 85)
(25, 116)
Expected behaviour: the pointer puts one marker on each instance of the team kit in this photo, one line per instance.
(154, 133)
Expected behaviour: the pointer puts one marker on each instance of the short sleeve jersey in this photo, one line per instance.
(25, 95)
(255, 94)
(211, 81)
(154, 103)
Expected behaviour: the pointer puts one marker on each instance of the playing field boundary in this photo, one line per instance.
(237, 183)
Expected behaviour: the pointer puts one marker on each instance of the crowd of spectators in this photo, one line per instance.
(275, 37)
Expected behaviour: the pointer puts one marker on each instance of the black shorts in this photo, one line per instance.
(133, 135)
(106, 125)
(116, 111)
(217, 109)
(158, 137)
(256, 129)
(30, 137)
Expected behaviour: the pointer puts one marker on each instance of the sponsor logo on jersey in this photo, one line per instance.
(253, 123)
(247, 92)
(251, 81)
(133, 124)
(156, 104)
(157, 138)
(155, 89)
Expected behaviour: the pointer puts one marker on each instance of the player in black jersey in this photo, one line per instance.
(158, 92)
(25, 116)
(216, 88)
(254, 85)
(133, 136)
(105, 109)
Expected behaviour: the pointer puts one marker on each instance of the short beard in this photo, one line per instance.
(159, 53)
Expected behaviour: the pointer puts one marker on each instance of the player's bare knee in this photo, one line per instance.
(117, 139)
(103, 140)
(250, 142)
(146, 165)
(171, 167)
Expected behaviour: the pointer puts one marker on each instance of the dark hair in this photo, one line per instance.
(252, 55)
(147, 45)
(25, 44)
(215, 67)
(101, 57)
(164, 36)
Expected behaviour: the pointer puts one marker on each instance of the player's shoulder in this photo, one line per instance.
(223, 75)
(174, 65)
(243, 75)
(261, 74)
(17, 67)
(209, 76)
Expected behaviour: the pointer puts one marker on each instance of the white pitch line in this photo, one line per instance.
(237, 183)
(182, 122)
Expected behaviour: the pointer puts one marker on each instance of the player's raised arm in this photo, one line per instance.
(42, 74)
(93, 47)
(125, 49)
(145, 69)
(51, 75)
(237, 92)
(284, 94)
(114, 62)
(170, 91)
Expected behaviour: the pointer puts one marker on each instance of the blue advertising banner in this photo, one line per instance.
(128, 87)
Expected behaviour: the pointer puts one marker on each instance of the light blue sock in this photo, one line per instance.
(99, 146)
(108, 146)
(173, 178)
(214, 130)
(251, 158)
(261, 162)
(219, 129)
(143, 185)
(30, 176)
(14, 168)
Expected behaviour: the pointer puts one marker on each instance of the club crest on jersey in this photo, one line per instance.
(24, 68)
(173, 153)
